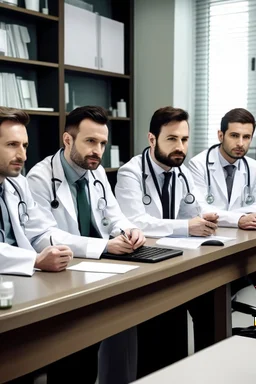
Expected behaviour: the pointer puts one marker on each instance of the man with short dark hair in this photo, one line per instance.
(224, 177)
(73, 187)
(143, 181)
(25, 229)
(156, 192)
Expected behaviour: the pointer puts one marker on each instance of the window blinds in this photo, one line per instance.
(225, 65)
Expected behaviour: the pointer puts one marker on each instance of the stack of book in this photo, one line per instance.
(13, 40)
(17, 92)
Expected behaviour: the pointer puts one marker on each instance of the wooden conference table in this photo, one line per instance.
(56, 314)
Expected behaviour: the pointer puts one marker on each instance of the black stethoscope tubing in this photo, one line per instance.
(23, 217)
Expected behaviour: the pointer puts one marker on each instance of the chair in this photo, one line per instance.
(247, 309)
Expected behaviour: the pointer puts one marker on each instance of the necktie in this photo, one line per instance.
(229, 179)
(83, 207)
(165, 195)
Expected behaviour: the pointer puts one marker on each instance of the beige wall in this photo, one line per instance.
(153, 62)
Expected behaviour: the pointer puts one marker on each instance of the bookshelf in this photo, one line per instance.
(47, 69)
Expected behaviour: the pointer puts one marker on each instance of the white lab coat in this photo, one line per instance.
(35, 236)
(65, 217)
(229, 213)
(149, 218)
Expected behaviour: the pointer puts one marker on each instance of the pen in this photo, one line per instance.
(51, 242)
(122, 232)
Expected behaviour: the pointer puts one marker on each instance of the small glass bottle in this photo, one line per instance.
(6, 294)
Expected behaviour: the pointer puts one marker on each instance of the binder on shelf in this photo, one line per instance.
(26, 94)
(17, 38)
(114, 156)
(3, 40)
(19, 93)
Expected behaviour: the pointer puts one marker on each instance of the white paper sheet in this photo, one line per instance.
(92, 266)
(189, 242)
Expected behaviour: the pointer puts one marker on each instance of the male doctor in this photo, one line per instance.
(73, 187)
(147, 180)
(156, 192)
(225, 178)
(25, 230)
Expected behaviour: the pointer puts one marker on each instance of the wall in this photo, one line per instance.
(154, 30)
(183, 67)
(163, 61)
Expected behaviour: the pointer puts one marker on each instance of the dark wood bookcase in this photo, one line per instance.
(46, 67)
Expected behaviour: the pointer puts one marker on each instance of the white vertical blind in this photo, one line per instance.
(224, 79)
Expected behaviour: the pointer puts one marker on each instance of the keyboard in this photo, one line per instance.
(146, 254)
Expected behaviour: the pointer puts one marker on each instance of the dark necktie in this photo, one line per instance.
(83, 207)
(229, 179)
(166, 196)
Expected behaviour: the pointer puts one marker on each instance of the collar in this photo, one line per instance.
(224, 162)
(72, 172)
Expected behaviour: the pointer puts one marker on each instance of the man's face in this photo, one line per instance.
(236, 141)
(13, 148)
(170, 149)
(87, 149)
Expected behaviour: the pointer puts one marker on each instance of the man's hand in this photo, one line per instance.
(247, 221)
(119, 245)
(54, 258)
(201, 227)
(136, 237)
(213, 217)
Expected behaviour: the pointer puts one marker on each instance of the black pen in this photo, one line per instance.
(122, 232)
(51, 242)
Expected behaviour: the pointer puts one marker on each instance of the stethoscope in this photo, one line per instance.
(146, 199)
(249, 199)
(22, 207)
(102, 202)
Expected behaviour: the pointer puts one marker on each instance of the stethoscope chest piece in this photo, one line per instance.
(209, 198)
(146, 199)
(105, 221)
(249, 200)
(189, 198)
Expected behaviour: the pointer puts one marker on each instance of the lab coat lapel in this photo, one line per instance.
(239, 180)
(62, 189)
(152, 191)
(217, 174)
(178, 191)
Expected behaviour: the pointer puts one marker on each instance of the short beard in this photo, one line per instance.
(83, 162)
(167, 159)
(232, 156)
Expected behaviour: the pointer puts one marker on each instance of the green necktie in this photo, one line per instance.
(83, 207)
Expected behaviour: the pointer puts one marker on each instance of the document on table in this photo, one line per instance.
(189, 242)
(98, 266)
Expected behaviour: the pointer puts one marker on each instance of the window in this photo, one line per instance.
(224, 57)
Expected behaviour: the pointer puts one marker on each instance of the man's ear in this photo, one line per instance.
(220, 136)
(151, 140)
(67, 139)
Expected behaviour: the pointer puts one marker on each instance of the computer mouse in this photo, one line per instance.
(213, 242)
